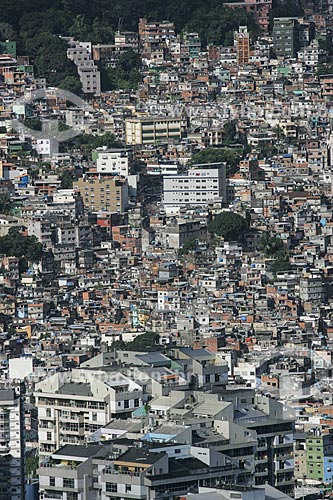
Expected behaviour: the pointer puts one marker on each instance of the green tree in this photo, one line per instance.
(119, 345)
(88, 142)
(32, 466)
(146, 342)
(67, 178)
(272, 246)
(126, 75)
(6, 32)
(71, 83)
(80, 29)
(230, 225)
(15, 244)
(275, 249)
(189, 246)
(229, 133)
(229, 156)
(280, 265)
(6, 204)
(101, 32)
(49, 56)
(33, 123)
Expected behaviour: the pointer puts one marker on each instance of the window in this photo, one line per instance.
(111, 487)
(48, 436)
(52, 481)
(136, 403)
(68, 482)
(126, 403)
(128, 488)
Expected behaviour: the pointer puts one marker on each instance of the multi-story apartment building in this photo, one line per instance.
(312, 288)
(202, 184)
(175, 235)
(152, 130)
(12, 446)
(119, 471)
(159, 31)
(127, 39)
(81, 54)
(73, 405)
(242, 41)
(274, 457)
(67, 474)
(286, 36)
(112, 162)
(107, 193)
(319, 455)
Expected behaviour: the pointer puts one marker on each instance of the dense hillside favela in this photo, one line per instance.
(166, 249)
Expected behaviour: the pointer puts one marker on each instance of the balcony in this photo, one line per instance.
(52, 468)
(285, 455)
(72, 418)
(261, 459)
(283, 445)
(4, 448)
(53, 496)
(261, 473)
(113, 475)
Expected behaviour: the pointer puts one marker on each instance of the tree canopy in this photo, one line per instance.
(97, 21)
(147, 341)
(230, 225)
(229, 156)
(88, 142)
(125, 75)
(272, 246)
(6, 203)
(67, 178)
(49, 56)
(26, 248)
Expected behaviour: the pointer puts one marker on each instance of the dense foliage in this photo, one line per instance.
(26, 248)
(147, 341)
(67, 178)
(36, 26)
(126, 74)
(275, 248)
(6, 204)
(272, 246)
(219, 155)
(88, 143)
(229, 225)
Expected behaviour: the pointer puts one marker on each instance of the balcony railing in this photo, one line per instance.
(55, 465)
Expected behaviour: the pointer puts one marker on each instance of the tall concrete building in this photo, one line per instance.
(12, 446)
(81, 55)
(105, 193)
(201, 185)
(112, 161)
(152, 130)
(242, 42)
(72, 405)
(286, 36)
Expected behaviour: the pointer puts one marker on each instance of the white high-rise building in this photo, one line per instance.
(12, 446)
(201, 185)
(113, 162)
(72, 405)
